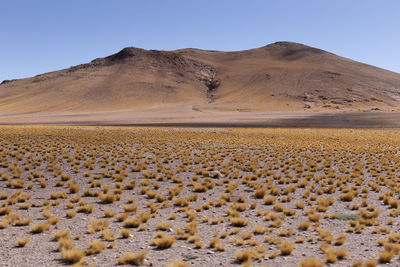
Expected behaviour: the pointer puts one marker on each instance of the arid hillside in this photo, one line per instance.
(191, 85)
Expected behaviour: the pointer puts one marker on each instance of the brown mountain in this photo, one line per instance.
(192, 85)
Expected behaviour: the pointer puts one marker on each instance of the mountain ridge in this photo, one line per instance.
(279, 77)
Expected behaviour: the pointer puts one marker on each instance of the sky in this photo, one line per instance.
(45, 35)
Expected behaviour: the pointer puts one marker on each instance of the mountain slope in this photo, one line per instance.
(279, 77)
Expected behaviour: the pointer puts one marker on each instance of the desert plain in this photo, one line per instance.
(190, 196)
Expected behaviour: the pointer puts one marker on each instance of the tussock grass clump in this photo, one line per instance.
(40, 227)
(70, 213)
(109, 213)
(65, 243)
(86, 209)
(178, 264)
(340, 240)
(246, 255)
(95, 247)
(71, 255)
(53, 220)
(130, 208)
(132, 222)
(304, 225)
(22, 222)
(61, 234)
(108, 235)
(125, 233)
(259, 229)
(21, 242)
(107, 198)
(216, 243)
(370, 263)
(97, 225)
(313, 262)
(300, 205)
(385, 256)
(238, 221)
(286, 248)
(134, 259)
(162, 241)
(164, 226)
(191, 227)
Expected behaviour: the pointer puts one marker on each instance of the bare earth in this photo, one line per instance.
(186, 115)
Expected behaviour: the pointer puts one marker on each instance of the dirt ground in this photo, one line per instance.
(227, 190)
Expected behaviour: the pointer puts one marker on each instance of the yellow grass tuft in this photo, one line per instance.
(40, 227)
(125, 233)
(95, 247)
(311, 263)
(385, 256)
(286, 248)
(21, 242)
(178, 264)
(134, 259)
(163, 242)
(71, 255)
(247, 255)
(61, 234)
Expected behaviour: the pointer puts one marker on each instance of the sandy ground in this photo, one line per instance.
(189, 115)
(271, 158)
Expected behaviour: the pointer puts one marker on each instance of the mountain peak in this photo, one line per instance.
(292, 51)
(125, 53)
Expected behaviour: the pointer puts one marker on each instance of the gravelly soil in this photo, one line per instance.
(328, 162)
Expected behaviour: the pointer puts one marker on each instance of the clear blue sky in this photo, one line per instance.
(44, 35)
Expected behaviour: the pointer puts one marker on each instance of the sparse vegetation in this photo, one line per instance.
(280, 190)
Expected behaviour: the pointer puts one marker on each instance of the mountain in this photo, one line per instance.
(192, 85)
